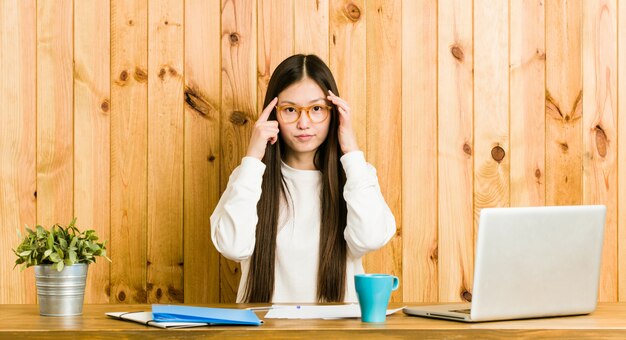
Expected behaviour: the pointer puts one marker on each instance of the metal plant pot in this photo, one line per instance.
(61, 293)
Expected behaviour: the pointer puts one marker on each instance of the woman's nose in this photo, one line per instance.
(303, 121)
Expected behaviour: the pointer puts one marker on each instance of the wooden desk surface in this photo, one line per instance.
(24, 321)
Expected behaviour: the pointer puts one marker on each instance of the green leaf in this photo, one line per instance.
(91, 235)
(54, 257)
(50, 240)
(73, 242)
(104, 254)
(61, 253)
(63, 243)
(46, 253)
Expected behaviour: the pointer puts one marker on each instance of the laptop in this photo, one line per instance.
(531, 262)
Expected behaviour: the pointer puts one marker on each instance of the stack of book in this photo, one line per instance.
(177, 316)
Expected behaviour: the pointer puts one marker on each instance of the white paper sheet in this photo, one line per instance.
(145, 318)
(317, 312)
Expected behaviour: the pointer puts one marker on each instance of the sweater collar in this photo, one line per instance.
(292, 173)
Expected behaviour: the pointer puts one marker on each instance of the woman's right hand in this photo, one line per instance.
(264, 131)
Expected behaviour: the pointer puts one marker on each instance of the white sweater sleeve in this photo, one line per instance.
(370, 223)
(233, 222)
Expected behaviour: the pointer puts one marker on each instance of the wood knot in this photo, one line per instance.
(541, 55)
(175, 294)
(552, 107)
(140, 75)
(497, 153)
(123, 78)
(537, 173)
(457, 53)
(352, 12)
(211, 158)
(234, 38)
(165, 70)
(141, 294)
(105, 106)
(434, 254)
(238, 118)
(121, 296)
(601, 141)
(466, 296)
(196, 100)
(467, 149)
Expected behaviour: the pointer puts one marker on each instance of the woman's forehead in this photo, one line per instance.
(303, 91)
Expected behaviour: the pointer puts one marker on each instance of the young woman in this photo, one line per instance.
(304, 206)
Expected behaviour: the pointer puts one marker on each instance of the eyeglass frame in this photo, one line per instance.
(299, 109)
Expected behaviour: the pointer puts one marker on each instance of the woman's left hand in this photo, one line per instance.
(347, 138)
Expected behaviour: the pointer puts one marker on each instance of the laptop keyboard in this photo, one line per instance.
(464, 311)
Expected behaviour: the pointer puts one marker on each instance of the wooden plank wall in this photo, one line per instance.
(600, 127)
(527, 103)
(18, 133)
(92, 127)
(202, 138)
(419, 151)
(384, 67)
(132, 115)
(129, 148)
(165, 151)
(239, 105)
(455, 151)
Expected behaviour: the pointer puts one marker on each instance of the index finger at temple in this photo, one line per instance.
(340, 102)
(268, 109)
(335, 97)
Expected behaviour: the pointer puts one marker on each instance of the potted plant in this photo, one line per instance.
(61, 256)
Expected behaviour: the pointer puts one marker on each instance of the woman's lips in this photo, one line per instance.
(304, 138)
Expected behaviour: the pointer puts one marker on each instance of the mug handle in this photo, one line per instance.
(396, 283)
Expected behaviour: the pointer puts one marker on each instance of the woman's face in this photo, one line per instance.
(303, 136)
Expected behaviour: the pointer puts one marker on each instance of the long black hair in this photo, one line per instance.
(331, 281)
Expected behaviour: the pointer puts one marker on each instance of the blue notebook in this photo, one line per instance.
(221, 316)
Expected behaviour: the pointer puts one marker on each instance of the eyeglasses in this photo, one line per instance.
(317, 113)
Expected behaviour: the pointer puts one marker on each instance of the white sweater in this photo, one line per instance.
(370, 225)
